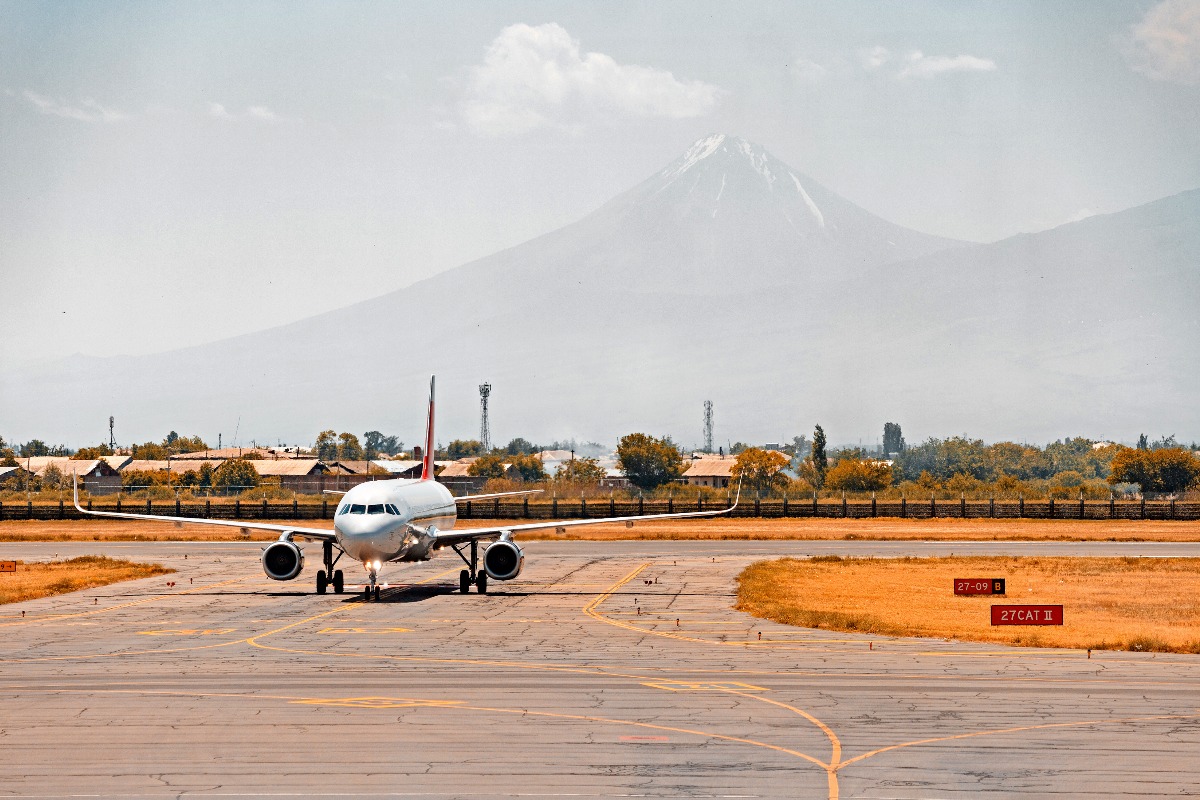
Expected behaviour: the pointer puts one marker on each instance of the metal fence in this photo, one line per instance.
(501, 509)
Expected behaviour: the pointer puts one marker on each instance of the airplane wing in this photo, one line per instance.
(321, 534)
(467, 497)
(452, 537)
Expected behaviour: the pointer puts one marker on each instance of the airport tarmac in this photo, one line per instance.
(608, 669)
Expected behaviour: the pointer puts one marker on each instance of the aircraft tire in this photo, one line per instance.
(367, 592)
(376, 592)
(481, 582)
(338, 582)
(321, 581)
(464, 581)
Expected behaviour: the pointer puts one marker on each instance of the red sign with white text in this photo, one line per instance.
(1027, 615)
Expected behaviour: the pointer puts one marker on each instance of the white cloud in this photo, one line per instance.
(535, 76)
(253, 112)
(87, 111)
(874, 58)
(808, 71)
(1165, 45)
(919, 65)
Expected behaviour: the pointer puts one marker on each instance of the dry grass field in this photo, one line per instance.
(714, 528)
(43, 579)
(1142, 604)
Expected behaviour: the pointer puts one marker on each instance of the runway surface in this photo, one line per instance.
(607, 669)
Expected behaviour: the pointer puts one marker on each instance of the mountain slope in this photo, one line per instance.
(727, 276)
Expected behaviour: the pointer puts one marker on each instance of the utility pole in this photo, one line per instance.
(708, 426)
(485, 431)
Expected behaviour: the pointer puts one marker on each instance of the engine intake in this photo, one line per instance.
(282, 561)
(503, 560)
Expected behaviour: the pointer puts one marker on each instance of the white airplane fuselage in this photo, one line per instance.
(382, 521)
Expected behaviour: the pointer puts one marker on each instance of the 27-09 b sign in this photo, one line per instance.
(979, 585)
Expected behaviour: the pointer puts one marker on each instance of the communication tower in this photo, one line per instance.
(112, 441)
(485, 431)
(708, 426)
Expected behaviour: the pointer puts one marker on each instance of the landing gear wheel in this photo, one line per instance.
(367, 592)
(481, 582)
(338, 584)
(376, 592)
(322, 582)
(464, 581)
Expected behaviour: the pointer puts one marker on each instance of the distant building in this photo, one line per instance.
(263, 453)
(95, 475)
(713, 472)
(400, 468)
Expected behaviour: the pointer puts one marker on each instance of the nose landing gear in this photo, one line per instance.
(372, 589)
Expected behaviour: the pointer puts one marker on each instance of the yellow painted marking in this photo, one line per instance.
(679, 686)
(187, 632)
(365, 630)
(376, 702)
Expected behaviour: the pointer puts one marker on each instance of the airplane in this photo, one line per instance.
(401, 520)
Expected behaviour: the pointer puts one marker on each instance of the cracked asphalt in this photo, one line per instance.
(606, 669)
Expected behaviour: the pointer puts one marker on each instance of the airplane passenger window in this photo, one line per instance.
(358, 508)
(375, 508)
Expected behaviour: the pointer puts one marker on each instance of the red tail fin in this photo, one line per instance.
(427, 457)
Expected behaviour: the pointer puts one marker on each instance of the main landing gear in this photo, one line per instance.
(328, 576)
(472, 574)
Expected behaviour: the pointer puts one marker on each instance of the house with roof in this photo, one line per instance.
(95, 475)
(713, 472)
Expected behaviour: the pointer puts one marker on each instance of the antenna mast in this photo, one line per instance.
(708, 426)
(112, 442)
(485, 431)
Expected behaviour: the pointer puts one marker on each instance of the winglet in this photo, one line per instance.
(427, 457)
(75, 478)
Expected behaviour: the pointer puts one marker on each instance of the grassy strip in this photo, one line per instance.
(1136, 604)
(36, 579)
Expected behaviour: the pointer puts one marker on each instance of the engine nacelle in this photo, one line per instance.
(282, 561)
(503, 560)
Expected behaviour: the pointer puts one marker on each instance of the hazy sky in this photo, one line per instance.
(174, 173)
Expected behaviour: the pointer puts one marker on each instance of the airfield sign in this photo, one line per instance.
(1027, 615)
(8, 566)
(979, 585)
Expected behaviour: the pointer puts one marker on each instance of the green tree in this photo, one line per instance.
(235, 473)
(1171, 469)
(580, 470)
(184, 444)
(349, 448)
(463, 448)
(204, 476)
(326, 445)
(35, 447)
(375, 443)
(859, 475)
(149, 451)
(1143, 442)
(91, 453)
(820, 461)
(760, 470)
(893, 440)
(529, 467)
(489, 466)
(53, 478)
(520, 446)
(647, 461)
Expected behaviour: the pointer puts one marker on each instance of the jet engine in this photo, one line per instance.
(503, 560)
(282, 561)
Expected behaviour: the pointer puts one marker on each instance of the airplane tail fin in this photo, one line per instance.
(427, 457)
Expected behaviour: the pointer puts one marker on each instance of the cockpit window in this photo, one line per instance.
(344, 510)
(391, 509)
(358, 508)
(375, 508)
